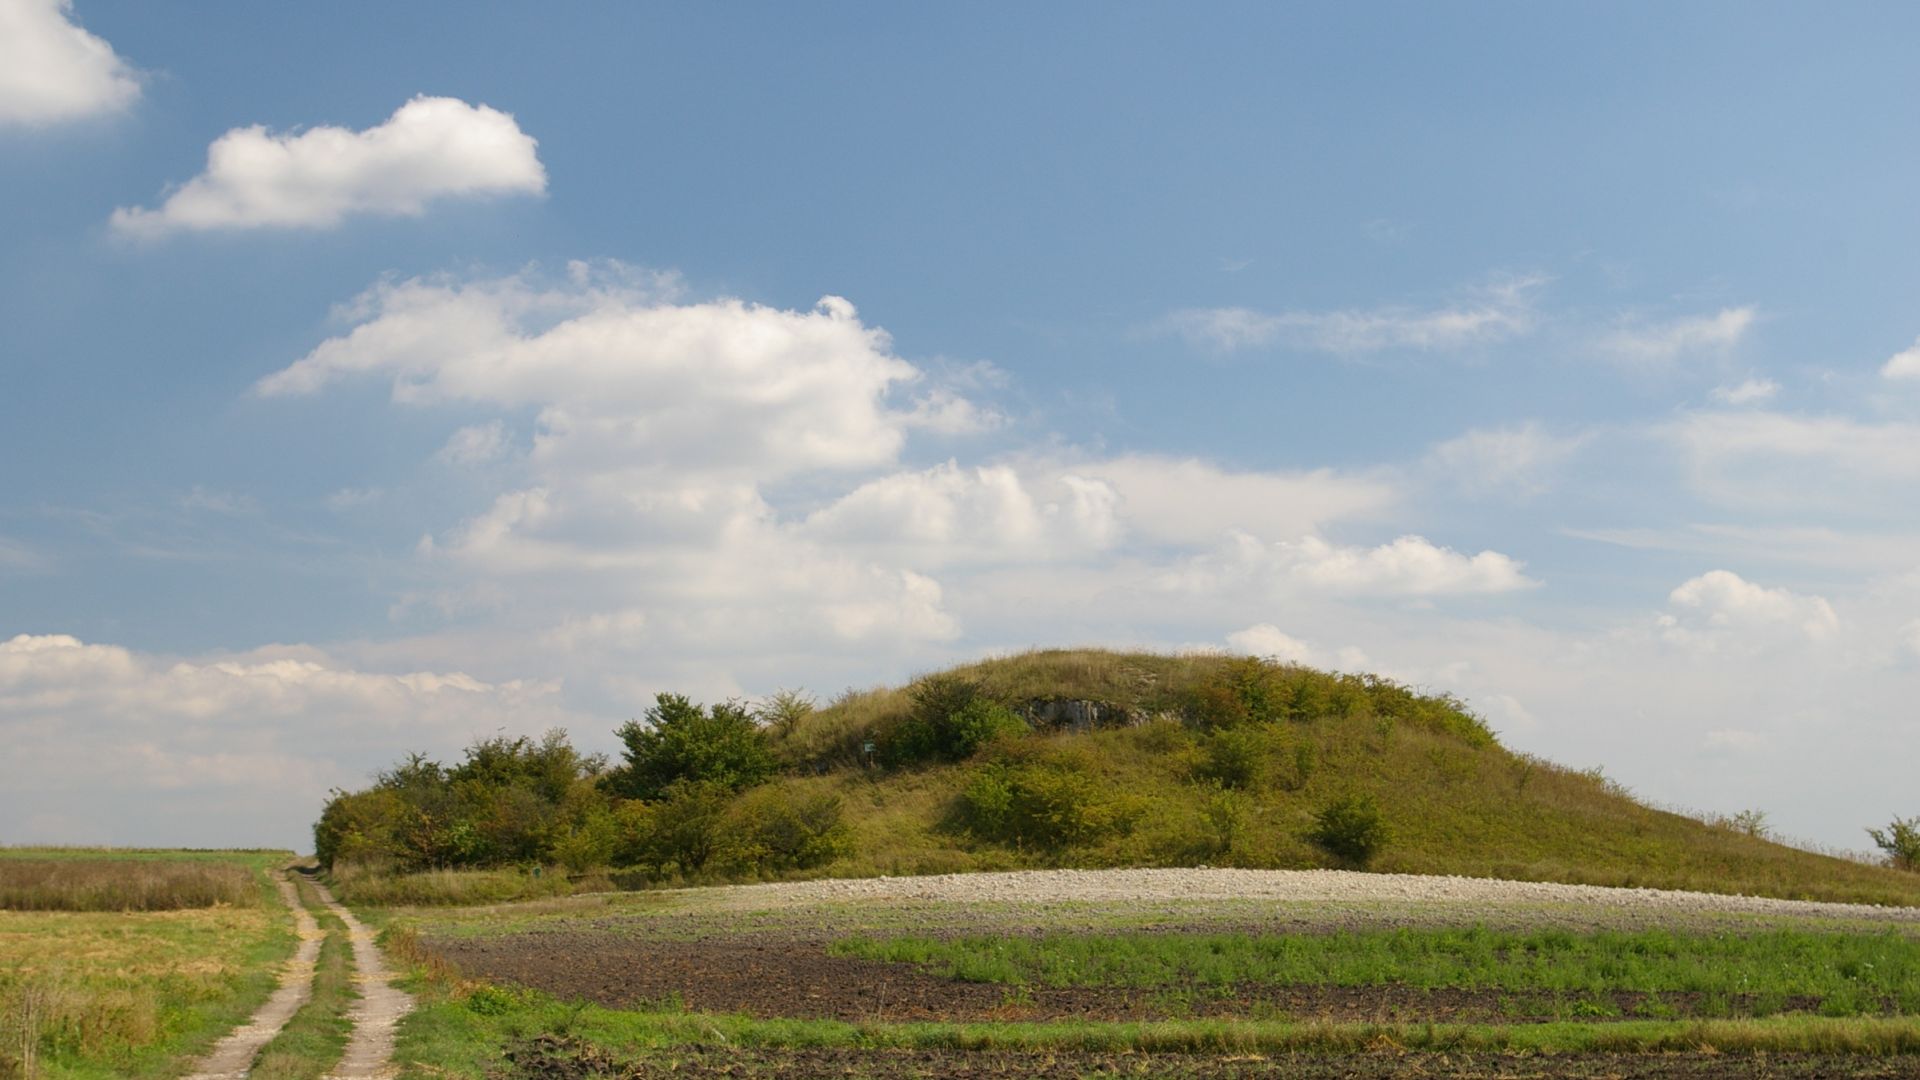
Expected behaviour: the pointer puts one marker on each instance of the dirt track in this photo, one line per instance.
(369, 1051)
(377, 1014)
(233, 1056)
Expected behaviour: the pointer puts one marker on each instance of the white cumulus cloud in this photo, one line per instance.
(1721, 602)
(624, 378)
(52, 70)
(431, 148)
(1904, 364)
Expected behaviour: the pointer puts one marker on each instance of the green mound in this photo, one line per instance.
(1068, 758)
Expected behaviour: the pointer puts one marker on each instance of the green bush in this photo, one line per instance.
(588, 845)
(1044, 804)
(1351, 829)
(787, 833)
(691, 829)
(682, 741)
(951, 719)
(1236, 758)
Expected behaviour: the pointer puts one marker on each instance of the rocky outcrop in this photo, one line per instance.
(1077, 715)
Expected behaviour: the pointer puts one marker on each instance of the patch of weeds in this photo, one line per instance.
(488, 999)
(1655, 1007)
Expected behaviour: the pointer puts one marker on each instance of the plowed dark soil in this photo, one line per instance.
(549, 1058)
(770, 976)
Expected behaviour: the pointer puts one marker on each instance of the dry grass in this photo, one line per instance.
(360, 884)
(111, 884)
(122, 993)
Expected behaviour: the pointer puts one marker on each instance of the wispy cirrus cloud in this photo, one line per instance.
(431, 148)
(1750, 391)
(1490, 314)
(1518, 459)
(1658, 344)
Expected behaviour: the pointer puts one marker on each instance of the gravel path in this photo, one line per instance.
(1278, 886)
(232, 1057)
(377, 1014)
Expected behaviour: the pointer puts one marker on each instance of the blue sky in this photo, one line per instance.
(371, 379)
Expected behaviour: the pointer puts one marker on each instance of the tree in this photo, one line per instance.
(1901, 841)
(682, 741)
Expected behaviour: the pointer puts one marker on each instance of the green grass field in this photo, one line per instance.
(1850, 974)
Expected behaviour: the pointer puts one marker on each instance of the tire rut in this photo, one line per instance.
(376, 1016)
(232, 1057)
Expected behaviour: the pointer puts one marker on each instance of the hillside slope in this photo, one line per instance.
(1151, 760)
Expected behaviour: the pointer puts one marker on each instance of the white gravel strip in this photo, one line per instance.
(1277, 886)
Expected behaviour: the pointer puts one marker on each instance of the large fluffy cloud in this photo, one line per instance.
(624, 379)
(52, 71)
(431, 148)
(718, 479)
(109, 744)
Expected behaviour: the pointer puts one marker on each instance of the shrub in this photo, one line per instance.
(788, 833)
(690, 829)
(1351, 829)
(1748, 823)
(1236, 758)
(1044, 804)
(1901, 841)
(1228, 815)
(683, 742)
(588, 845)
(951, 719)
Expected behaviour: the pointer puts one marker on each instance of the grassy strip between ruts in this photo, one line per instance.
(316, 1036)
(92, 994)
(463, 1033)
(1851, 973)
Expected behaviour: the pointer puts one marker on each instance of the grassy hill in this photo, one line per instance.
(1149, 760)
